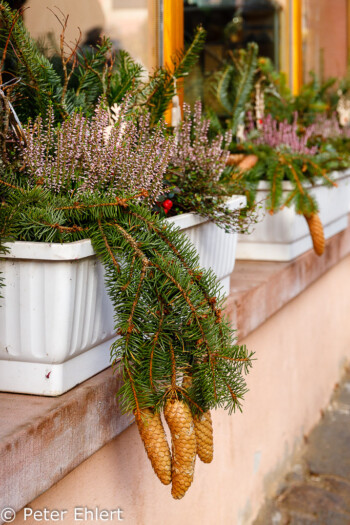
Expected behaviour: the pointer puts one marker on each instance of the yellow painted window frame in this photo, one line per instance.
(173, 37)
(173, 29)
(291, 44)
(348, 28)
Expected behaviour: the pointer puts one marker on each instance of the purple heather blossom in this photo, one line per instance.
(193, 151)
(330, 127)
(79, 155)
(282, 134)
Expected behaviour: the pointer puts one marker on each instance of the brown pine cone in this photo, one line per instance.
(234, 159)
(247, 163)
(203, 428)
(179, 418)
(153, 436)
(316, 232)
(204, 436)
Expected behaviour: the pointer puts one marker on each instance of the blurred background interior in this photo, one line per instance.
(299, 36)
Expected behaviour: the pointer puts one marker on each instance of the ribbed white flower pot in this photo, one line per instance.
(56, 319)
(216, 248)
(285, 235)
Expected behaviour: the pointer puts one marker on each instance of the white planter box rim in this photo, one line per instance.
(284, 235)
(187, 220)
(337, 176)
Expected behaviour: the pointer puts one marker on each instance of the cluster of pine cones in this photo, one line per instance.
(190, 435)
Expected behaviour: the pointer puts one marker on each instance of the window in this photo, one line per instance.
(230, 24)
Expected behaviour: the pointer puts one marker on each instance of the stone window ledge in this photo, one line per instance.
(42, 439)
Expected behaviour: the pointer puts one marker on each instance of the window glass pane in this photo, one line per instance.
(131, 24)
(230, 25)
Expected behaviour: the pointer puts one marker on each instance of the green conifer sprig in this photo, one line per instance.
(232, 87)
(276, 166)
(40, 81)
(161, 87)
(87, 76)
(168, 310)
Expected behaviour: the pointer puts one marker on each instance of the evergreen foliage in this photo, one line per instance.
(234, 90)
(23, 59)
(277, 165)
(285, 141)
(168, 311)
(314, 99)
(78, 79)
(161, 84)
(232, 87)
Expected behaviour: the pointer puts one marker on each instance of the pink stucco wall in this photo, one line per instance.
(325, 37)
(300, 354)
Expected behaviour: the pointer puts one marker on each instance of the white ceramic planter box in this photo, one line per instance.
(56, 319)
(285, 235)
(216, 248)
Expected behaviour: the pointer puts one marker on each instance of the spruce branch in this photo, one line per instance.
(168, 310)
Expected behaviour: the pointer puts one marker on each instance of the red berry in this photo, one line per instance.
(167, 204)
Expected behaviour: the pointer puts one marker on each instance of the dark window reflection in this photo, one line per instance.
(230, 25)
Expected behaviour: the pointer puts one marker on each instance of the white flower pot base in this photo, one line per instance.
(56, 319)
(54, 379)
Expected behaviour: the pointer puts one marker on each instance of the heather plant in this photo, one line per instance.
(289, 152)
(196, 166)
(79, 156)
(194, 151)
(283, 135)
(329, 127)
(329, 136)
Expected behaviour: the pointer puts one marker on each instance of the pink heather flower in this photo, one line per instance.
(193, 151)
(80, 156)
(330, 127)
(282, 134)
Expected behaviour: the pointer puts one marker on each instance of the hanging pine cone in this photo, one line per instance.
(153, 436)
(179, 418)
(203, 428)
(316, 232)
(204, 435)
